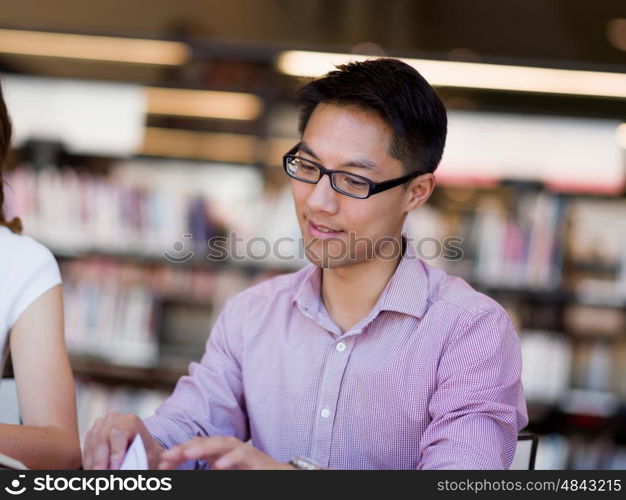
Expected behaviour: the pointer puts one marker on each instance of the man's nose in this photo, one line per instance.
(323, 197)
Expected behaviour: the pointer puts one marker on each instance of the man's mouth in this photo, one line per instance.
(321, 228)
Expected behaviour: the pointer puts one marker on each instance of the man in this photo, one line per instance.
(367, 357)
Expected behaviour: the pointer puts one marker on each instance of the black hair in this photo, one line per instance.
(398, 94)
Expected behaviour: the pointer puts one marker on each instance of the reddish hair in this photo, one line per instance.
(15, 224)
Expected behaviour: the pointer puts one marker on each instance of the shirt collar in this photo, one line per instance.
(406, 291)
(308, 294)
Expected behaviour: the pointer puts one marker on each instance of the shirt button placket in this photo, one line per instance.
(336, 362)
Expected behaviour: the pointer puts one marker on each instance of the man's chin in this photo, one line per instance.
(327, 264)
(326, 261)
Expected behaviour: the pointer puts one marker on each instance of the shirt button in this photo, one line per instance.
(325, 413)
(341, 346)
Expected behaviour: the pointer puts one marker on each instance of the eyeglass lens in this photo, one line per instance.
(309, 172)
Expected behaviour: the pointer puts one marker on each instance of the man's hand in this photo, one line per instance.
(221, 453)
(107, 441)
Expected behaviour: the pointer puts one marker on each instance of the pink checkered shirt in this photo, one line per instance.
(430, 379)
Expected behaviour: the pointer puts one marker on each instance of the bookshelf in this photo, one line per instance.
(572, 321)
(556, 259)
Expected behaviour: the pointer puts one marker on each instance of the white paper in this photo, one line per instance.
(135, 458)
(7, 462)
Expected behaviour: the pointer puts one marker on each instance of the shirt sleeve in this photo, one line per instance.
(35, 273)
(209, 401)
(478, 406)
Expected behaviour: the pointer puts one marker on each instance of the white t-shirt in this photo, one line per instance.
(27, 270)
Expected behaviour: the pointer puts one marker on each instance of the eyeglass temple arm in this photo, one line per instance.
(383, 186)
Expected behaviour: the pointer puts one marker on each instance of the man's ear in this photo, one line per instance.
(419, 190)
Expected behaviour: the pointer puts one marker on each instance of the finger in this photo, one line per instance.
(207, 448)
(119, 441)
(86, 451)
(210, 448)
(172, 458)
(91, 442)
(102, 445)
(241, 457)
(101, 456)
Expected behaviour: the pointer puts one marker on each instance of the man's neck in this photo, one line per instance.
(350, 292)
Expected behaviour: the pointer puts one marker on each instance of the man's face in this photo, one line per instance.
(353, 140)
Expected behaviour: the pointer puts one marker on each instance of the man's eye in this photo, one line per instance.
(305, 168)
(356, 183)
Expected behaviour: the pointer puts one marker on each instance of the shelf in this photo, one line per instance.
(250, 267)
(554, 415)
(555, 296)
(574, 190)
(594, 267)
(164, 375)
(94, 369)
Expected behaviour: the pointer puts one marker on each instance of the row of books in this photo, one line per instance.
(95, 400)
(597, 236)
(593, 320)
(119, 310)
(172, 210)
(505, 242)
(558, 452)
(581, 375)
(138, 207)
(515, 238)
(522, 249)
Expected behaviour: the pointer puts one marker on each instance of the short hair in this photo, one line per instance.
(398, 94)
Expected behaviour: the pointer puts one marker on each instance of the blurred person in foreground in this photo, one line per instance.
(31, 327)
(367, 358)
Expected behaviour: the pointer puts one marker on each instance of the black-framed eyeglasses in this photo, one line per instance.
(353, 185)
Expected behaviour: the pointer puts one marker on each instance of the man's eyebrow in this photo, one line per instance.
(306, 149)
(367, 164)
(363, 163)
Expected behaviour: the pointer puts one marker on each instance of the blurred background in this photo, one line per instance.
(144, 128)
